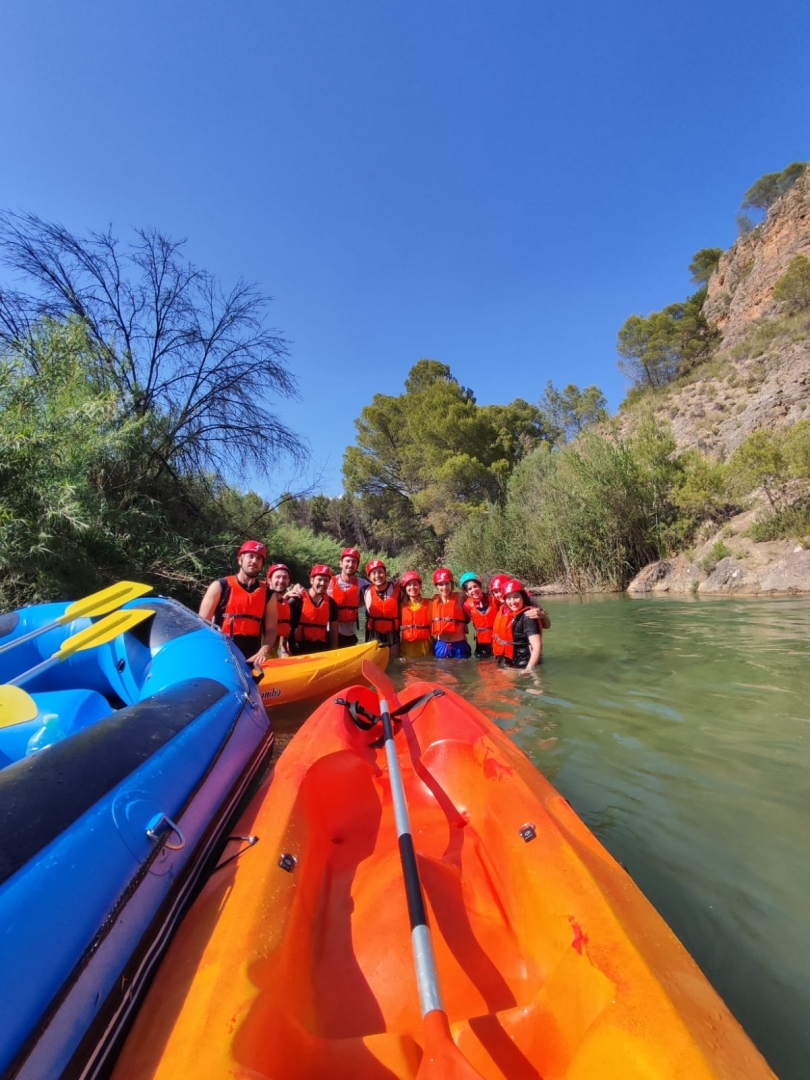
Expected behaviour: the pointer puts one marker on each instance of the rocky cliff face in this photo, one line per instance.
(741, 289)
(760, 376)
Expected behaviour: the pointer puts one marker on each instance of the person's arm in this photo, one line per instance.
(535, 651)
(333, 624)
(208, 605)
(270, 627)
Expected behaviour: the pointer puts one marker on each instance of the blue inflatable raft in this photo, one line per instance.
(112, 801)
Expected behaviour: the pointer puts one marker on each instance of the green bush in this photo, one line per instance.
(719, 551)
(792, 523)
(793, 287)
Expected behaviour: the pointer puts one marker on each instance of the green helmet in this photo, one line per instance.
(469, 576)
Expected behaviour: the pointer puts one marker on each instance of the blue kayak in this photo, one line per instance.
(113, 800)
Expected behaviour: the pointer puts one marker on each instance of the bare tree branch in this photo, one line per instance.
(200, 361)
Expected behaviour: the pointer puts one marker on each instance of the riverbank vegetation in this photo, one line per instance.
(138, 398)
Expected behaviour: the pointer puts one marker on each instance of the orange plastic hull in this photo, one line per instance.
(298, 678)
(552, 962)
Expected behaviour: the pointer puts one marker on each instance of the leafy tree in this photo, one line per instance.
(793, 287)
(701, 491)
(197, 361)
(770, 187)
(759, 461)
(423, 461)
(656, 349)
(704, 264)
(796, 448)
(571, 410)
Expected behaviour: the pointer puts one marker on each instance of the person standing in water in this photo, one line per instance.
(414, 632)
(448, 619)
(346, 589)
(242, 606)
(382, 600)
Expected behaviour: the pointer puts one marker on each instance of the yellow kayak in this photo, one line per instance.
(297, 678)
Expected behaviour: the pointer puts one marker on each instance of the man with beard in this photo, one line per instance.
(244, 607)
(346, 589)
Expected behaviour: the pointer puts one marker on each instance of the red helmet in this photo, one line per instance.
(498, 581)
(321, 570)
(409, 576)
(355, 554)
(277, 566)
(253, 547)
(442, 574)
(513, 585)
(375, 564)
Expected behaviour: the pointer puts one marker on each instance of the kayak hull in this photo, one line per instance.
(111, 817)
(296, 960)
(316, 675)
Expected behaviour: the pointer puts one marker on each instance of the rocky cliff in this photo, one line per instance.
(759, 377)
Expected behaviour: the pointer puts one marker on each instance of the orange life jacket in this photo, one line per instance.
(502, 632)
(447, 617)
(347, 600)
(415, 621)
(243, 613)
(313, 620)
(503, 636)
(483, 621)
(383, 612)
(283, 625)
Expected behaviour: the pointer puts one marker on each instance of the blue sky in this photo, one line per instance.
(493, 185)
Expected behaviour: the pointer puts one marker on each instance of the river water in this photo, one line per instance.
(679, 730)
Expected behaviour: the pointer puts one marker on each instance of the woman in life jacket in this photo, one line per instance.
(517, 638)
(414, 617)
(448, 619)
(382, 600)
(482, 609)
(278, 579)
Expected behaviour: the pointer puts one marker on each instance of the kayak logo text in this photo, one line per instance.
(275, 692)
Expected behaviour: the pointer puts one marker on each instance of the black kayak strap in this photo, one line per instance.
(366, 720)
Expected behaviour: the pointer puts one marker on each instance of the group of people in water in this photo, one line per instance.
(274, 617)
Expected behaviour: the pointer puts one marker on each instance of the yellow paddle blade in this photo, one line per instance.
(15, 706)
(99, 633)
(114, 596)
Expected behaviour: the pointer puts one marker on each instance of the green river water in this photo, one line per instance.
(679, 730)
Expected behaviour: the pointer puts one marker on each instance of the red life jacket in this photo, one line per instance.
(383, 612)
(447, 617)
(415, 622)
(502, 633)
(243, 613)
(347, 600)
(483, 621)
(313, 620)
(283, 626)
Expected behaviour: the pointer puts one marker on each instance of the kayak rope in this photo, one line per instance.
(366, 720)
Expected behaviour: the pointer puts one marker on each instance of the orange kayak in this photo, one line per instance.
(296, 962)
(298, 678)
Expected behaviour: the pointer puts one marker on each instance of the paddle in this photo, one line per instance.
(99, 603)
(16, 706)
(97, 634)
(442, 1060)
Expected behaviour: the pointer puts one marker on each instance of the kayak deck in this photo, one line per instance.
(311, 675)
(552, 964)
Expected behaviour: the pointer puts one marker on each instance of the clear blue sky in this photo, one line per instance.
(496, 185)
